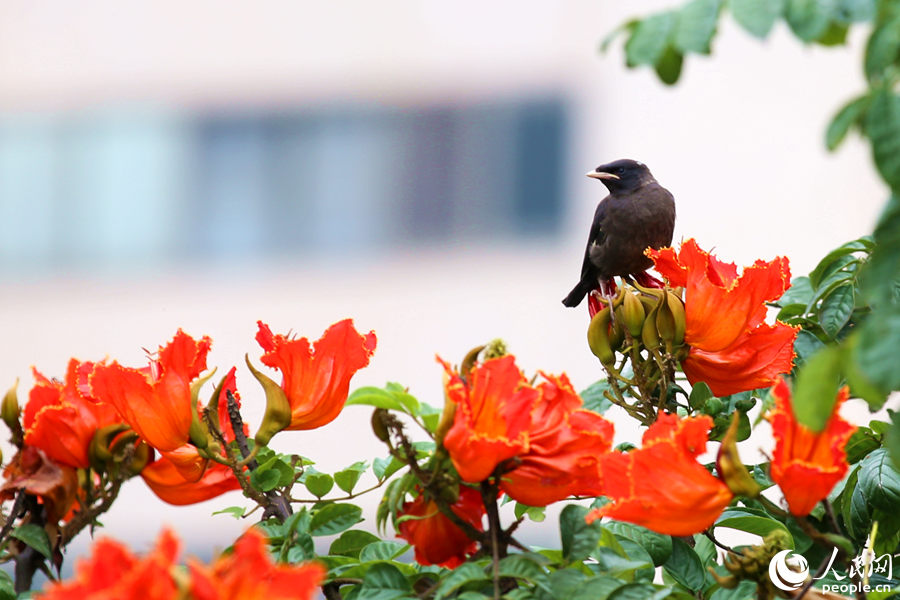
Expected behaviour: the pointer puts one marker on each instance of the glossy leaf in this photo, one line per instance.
(850, 115)
(757, 16)
(578, 538)
(318, 484)
(809, 19)
(657, 545)
(751, 522)
(879, 480)
(696, 26)
(685, 566)
(815, 388)
(334, 518)
(649, 39)
(383, 581)
(836, 309)
(34, 536)
(346, 478)
(351, 542)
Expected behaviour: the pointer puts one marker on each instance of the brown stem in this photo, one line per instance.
(276, 505)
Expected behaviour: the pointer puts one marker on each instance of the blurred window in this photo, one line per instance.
(115, 190)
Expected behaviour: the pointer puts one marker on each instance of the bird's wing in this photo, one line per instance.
(595, 237)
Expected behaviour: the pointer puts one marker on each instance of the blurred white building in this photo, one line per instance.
(416, 165)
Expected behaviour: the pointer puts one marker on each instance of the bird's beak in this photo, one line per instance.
(601, 175)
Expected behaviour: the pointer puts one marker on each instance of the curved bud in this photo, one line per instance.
(198, 431)
(379, 427)
(649, 333)
(598, 338)
(10, 410)
(633, 315)
(278, 407)
(99, 452)
(731, 470)
(143, 454)
(676, 307)
(469, 361)
(448, 415)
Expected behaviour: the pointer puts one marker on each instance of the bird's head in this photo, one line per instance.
(622, 175)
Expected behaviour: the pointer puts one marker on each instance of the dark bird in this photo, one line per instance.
(638, 213)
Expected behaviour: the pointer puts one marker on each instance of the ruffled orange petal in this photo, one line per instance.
(317, 377)
(492, 417)
(661, 486)
(754, 361)
(167, 481)
(436, 539)
(806, 465)
(155, 401)
(248, 572)
(720, 306)
(565, 446)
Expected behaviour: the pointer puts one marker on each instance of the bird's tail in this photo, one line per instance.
(576, 295)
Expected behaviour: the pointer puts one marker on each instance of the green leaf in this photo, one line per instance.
(685, 566)
(373, 396)
(334, 518)
(265, 479)
(382, 550)
(7, 587)
(805, 345)
(836, 309)
(594, 398)
(318, 484)
(829, 262)
(815, 389)
(346, 478)
(696, 26)
(850, 114)
(385, 467)
(700, 393)
(657, 545)
(882, 49)
(757, 16)
(879, 481)
(534, 513)
(34, 536)
(745, 589)
(809, 19)
(351, 542)
(801, 291)
(883, 129)
(861, 444)
(639, 591)
(751, 522)
(649, 39)
(235, 511)
(578, 538)
(875, 352)
(856, 11)
(383, 581)
(521, 566)
(668, 67)
(892, 439)
(464, 574)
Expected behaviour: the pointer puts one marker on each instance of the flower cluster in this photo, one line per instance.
(81, 437)
(246, 573)
(732, 349)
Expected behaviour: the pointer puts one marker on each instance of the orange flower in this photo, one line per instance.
(112, 571)
(806, 465)
(60, 420)
(661, 486)
(564, 448)
(437, 540)
(155, 401)
(248, 573)
(316, 379)
(732, 349)
(182, 476)
(493, 414)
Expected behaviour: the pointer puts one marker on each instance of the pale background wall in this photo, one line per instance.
(738, 141)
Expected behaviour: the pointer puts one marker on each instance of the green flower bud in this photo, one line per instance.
(278, 408)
